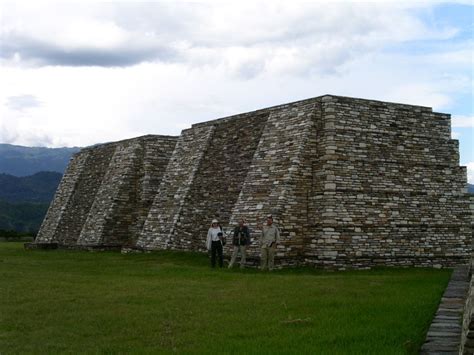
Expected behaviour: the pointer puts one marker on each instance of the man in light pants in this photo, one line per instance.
(240, 241)
(270, 239)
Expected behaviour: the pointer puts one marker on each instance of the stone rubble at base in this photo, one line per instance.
(352, 183)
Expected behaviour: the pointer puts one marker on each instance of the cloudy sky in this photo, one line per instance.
(75, 74)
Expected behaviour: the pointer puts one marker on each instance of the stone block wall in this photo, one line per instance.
(61, 199)
(350, 182)
(157, 153)
(87, 184)
(159, 228)
(121, 204)
(116, 197)
(214, 158)
(393, 192)
(220, 176)
(104, 196)
(278, 181)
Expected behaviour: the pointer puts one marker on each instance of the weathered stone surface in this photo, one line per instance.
(399, 195)
(106, 192)
(75, 213)
(62, 198)
(280, 177)
(220, 177)
(159, 228)
(123, 199)
(350, 182)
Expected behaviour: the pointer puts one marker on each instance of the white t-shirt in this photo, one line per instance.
(213, 232)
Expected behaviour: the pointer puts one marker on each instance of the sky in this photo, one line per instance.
(81, 73)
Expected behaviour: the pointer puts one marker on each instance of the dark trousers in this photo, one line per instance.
(216, 248)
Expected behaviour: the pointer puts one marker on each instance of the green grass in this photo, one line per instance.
(67, 301)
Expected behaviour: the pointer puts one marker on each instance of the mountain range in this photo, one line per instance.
(23, 161)
(25, 200)
(36, 188)
(29, 177)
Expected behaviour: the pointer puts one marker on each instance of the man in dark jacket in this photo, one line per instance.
(240, 241)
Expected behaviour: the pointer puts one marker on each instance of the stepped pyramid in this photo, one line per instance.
(350, 182)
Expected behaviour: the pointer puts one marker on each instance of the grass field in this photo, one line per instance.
(67, 301)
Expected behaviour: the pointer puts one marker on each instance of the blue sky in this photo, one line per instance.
(75, 74)
(461, 17)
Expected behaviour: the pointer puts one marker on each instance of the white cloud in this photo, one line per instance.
(110, 71)
(22, 102)
(296, 37)
(470, 172)
(91, 33)
(419, 93)
(28, 136)
(462, 121)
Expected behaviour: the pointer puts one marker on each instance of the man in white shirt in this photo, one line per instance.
(270, 239)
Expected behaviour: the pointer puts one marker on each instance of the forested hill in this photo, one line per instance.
(29, 177)
(22, 217)
(39, 187)
(23, 161)
(25, 200)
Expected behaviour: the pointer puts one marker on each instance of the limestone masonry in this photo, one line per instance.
(350, 182)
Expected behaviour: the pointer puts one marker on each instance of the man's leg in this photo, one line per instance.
(234, 256)
(220, 254)
(263, 258)
(271, 257)
(213, 254)
(243, 256)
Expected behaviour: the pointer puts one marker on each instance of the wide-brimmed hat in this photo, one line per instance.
(214, 221)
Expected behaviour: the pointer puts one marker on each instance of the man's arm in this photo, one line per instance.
(208, 240)
(277, 236)
(247, 235)
(247, 232)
